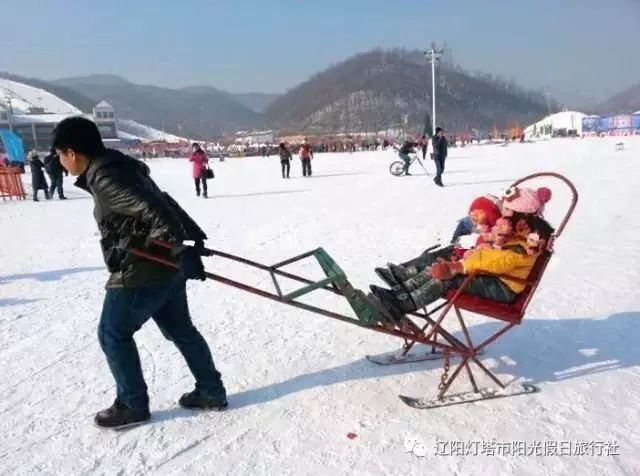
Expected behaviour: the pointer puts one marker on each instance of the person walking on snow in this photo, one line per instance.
(439, 142)
(38, 180)
(132, 212)
(199, 160)
(306, 155)
(285, 159)
(424, 142)
(55, 170)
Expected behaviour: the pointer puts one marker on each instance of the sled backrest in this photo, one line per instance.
(515, 311)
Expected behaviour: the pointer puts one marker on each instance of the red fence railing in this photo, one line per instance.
(11, 184)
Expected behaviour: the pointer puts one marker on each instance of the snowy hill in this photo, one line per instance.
(24, 97)
(298, 383)
(383, 88)
(129, 129)
(197, 111)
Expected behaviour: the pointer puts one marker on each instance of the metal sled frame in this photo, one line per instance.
(442, 342)
(336, 282)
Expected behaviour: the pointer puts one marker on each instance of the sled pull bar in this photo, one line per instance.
(300, 305)
(272, 270)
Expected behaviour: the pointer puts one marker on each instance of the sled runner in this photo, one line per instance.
(420, 327)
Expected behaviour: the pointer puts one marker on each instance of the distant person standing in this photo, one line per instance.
(439, 154)
(54, 170)
(199, 160)
(424, 142)
(306, 155)
(38, 181)
(285, 159)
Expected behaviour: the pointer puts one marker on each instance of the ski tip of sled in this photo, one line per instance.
(394, 358)
(469, 397)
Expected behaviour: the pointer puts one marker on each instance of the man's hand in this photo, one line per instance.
(190, 263)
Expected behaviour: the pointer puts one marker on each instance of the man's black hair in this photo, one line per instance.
(80, 135)
(438, 129)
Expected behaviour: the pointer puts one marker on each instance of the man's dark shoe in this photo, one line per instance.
(199, 401)
(119, 416)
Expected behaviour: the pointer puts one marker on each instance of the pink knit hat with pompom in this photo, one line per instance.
(528, 200)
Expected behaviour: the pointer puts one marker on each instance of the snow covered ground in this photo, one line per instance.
(298, 383)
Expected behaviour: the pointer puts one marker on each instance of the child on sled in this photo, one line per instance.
(508, 265)
(483, 214)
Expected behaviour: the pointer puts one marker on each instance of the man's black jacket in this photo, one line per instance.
(440, 146)
(407, 147)
(53, 166)
(131, 211)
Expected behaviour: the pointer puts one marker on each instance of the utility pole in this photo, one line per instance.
(548, 93)
(8, 97)
(10, 115)
(432, 56)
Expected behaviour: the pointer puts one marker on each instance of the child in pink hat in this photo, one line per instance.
(525, 200)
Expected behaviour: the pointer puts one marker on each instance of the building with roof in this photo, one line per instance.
(254, 137)
(565, 123)
(35, 126)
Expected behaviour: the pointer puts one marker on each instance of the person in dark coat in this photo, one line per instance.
(38, 180)
(132, 213)
(54, 170)
(424, 142)
(439, 154)
(406, 149)
(285, 159)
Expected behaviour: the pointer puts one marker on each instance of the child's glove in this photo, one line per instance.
(444, 270)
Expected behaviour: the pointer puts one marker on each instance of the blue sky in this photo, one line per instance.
(580, 48)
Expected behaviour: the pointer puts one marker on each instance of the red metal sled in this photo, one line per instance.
(512, 314)
(432, 333)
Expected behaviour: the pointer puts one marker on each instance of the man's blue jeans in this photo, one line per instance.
(125, 310)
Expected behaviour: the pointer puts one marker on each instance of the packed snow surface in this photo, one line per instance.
(298, 382)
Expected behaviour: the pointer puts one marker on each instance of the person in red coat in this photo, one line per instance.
(306, 154)
(199, 160)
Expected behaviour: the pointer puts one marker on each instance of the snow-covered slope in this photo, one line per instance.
(141, 131)
(24, 97)
(298, 383)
